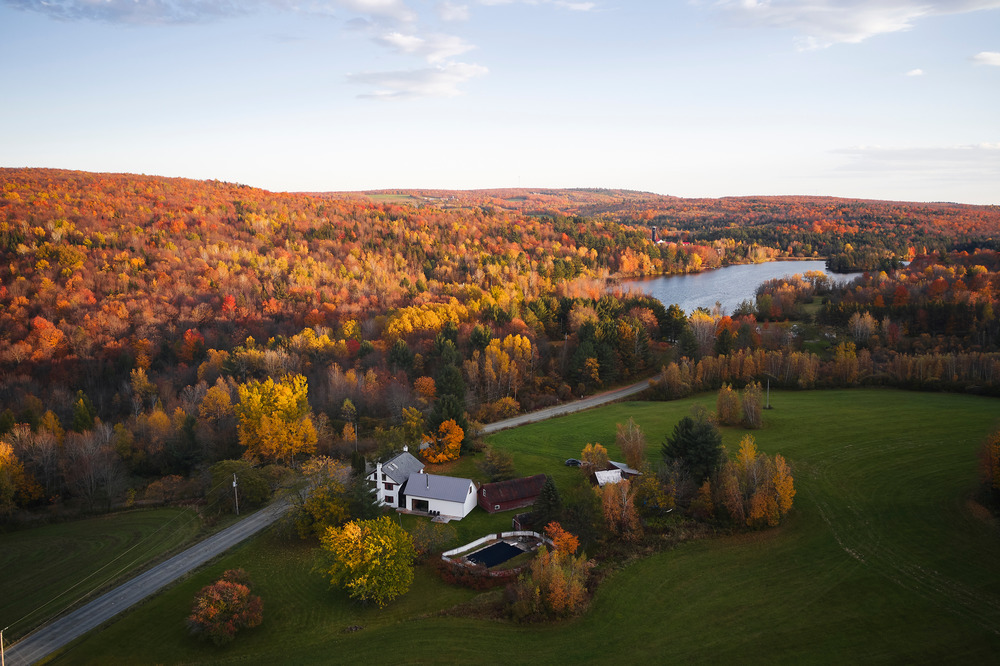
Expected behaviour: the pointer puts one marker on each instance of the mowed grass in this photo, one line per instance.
(46, 569)
(883, 559)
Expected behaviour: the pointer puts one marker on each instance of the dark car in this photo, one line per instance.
(572, 462)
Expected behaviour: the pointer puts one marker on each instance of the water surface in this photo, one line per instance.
(727, 286)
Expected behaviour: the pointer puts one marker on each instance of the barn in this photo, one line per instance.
(512, 494)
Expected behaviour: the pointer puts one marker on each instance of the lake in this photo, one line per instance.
(728, 286)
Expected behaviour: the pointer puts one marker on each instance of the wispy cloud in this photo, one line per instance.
(563, 4)
(440, 81)
(915, 72)
(435, 48)
(149, 12)
(822, 23)
(397, 25)
(976, 161)
(168, 12)
(987, 58)
(448, 11)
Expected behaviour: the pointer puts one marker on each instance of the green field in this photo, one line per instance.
(883, 559)
(47, 569)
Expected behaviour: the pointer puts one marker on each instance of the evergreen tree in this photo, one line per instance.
(696, 444)
(548, 506)
(83, 413)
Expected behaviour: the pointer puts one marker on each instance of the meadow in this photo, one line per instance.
(884, 558)
(46, 569)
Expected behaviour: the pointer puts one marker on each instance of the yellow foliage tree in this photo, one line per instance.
(755, 489)
(16, 485)
(618, 503)
(371, 559)
(594, 457)
(274, 419)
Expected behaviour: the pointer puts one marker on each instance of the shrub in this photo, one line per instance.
(224, 607)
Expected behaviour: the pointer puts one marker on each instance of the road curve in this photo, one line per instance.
(51, 637)
(568, 408)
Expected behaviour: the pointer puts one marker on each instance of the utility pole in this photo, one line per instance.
(236, 496)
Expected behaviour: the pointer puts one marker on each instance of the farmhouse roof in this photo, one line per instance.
(433, 486)
(401, 466)
(513, 490)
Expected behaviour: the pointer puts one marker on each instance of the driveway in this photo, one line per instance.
(568, 408)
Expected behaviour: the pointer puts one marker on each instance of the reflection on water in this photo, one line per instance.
(728, 286)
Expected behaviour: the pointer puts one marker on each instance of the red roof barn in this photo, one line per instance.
(512, 494)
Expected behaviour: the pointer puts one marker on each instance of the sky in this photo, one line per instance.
(877, 99)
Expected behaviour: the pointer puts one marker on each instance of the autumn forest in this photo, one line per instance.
(151, 327)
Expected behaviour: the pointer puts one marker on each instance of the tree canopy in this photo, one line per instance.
(371, 559)
(696, 444)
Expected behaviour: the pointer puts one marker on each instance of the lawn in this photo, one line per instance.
(883, 559)
(46, 569)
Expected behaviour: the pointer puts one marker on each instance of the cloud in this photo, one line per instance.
(564, 4)
(915, 72)
(395, 25)
(976, 161)
(435, 48)
(822, 23)
(987, 58)
(169, 12)
(449, 12)
(132, 12)
(440, 81)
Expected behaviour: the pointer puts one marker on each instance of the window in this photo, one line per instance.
(390, 500)
(496, 507)
(388, 486)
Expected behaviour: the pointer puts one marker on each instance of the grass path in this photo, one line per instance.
(883, 559)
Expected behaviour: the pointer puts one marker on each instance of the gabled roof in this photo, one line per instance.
(401, 466)
(513, 490)
(606, 476)
(625, 468)
(432, 486)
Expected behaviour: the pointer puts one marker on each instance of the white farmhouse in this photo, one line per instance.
(446, 496)
(390, 477)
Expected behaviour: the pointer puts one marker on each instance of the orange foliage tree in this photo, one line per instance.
(557, 586)
(446, 444)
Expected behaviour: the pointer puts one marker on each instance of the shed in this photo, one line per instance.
(511, 494)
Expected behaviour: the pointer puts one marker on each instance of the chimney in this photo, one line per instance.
(405, 448)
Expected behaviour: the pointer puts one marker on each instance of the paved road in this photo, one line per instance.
(568, 408)
(51, 637)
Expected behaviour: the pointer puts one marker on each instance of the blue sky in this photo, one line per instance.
(883, 99)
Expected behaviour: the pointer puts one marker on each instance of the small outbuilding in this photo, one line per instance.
(511, 494)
